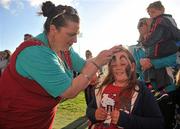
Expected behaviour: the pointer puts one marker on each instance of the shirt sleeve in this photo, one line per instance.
(41, 64)
(164, 62)
(77, 61)
(139, 54)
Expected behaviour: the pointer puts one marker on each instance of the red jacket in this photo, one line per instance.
(24, 104)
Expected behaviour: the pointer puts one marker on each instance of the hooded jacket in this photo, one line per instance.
(144, 113)
(162, 41)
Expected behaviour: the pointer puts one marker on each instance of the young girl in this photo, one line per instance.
(121, 101)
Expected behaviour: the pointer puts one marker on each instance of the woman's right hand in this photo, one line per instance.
(106, 55)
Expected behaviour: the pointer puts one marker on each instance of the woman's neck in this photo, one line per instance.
(51, 44)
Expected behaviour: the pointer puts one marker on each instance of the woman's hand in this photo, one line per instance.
(106, 55)
(145, 63)
(115, 116)
(100, 114)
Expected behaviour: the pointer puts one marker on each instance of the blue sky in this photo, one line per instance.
(104, 23)
(18, 19)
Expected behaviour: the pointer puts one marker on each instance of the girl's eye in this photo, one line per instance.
(113, 58)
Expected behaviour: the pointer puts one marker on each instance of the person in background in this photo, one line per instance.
(159, 43)
(88, 54)
(122, 101)
(165, 35)
(36, 79)
(4, 59)
(163, 39)
(165, 100)
(27, 37)
(89, 91)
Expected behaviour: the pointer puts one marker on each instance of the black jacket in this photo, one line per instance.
(161, 41)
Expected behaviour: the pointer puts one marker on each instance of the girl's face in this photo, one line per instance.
(154, 12)
(121, 66)
(64, 37)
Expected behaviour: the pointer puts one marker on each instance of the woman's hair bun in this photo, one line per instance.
(48, 8)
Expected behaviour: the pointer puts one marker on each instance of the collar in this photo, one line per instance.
(43, 38)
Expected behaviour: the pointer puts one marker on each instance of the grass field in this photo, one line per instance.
(69, 111)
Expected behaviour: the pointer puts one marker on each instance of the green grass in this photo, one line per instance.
(70, 110)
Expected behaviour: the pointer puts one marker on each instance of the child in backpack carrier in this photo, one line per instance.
(159, 43)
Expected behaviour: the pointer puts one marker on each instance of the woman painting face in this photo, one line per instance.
(122, 67)
(65, 36)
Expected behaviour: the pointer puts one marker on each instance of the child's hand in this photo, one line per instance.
(100, 114)
(115, 116)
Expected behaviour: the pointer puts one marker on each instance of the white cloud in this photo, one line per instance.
(14, 6)
(5, 3)
(56, 2)
(17, 8)
(34, 3)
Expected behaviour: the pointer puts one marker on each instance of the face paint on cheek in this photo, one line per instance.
(128, 71)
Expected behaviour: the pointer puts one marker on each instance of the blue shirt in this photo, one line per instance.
(42, 64)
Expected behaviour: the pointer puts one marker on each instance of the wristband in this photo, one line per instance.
(97, 66)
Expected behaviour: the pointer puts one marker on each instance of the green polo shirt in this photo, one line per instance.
(42, 64)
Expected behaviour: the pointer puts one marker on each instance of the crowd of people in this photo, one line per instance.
(156, 59)
(140, 90)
